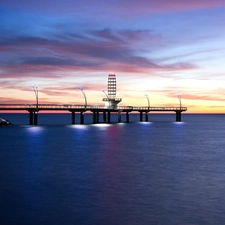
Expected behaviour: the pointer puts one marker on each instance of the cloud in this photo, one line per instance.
(6, 84)
(13, 100)
(99, 50)
(215, 95)
(167, 5)
(46, 61)
(123, 7)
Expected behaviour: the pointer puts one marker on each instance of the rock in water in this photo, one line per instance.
(4, 122)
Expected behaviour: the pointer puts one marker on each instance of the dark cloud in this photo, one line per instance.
(47, 61)
(96, 49)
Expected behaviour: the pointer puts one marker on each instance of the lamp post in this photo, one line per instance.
(35, 88)
(85, 98)
(105, 94)
(146, 95)
(179, 97)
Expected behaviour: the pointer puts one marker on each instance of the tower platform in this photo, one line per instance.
(111, 101)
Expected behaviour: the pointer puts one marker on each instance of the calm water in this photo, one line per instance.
(159, 172)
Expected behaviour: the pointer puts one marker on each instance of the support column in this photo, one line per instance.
(127, 117)
(104, 117)
(146, 116)
(94, 117)
(36, 118)
(31, 118)
(109, 119)
(81, 117)
(73, 117)
(140, 116)
(119, 117)
(97, 117)
(178, 116)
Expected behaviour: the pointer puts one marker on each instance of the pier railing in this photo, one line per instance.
(28, 107)
(33, 110)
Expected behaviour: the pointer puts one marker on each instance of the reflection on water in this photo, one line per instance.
(139, 173)
(79, 126)
(102, 126)
(34, 129)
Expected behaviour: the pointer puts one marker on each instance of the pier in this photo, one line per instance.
(95, 110)
(111, 106)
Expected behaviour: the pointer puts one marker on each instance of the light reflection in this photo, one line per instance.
(79, 126)
(101, 125)
(145, 122)
(35, 129)
(178, 123)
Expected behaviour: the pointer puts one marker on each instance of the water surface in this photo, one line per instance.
(159, 172)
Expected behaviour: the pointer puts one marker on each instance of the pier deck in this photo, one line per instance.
(33, 110)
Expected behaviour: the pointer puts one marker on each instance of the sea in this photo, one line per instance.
(159, 172)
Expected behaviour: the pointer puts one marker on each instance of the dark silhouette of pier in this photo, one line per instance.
(95, 110)
(111, 106)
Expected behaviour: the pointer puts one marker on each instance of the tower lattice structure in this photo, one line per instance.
(112, 85)
(111, 101)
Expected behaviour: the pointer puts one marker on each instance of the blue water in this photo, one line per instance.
(160, 172)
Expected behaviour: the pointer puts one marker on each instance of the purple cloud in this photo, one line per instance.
(130, 8)
(96, 49)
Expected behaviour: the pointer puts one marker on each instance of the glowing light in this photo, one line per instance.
(102, 125)
(178, 123)
(78, 126)
(35, 129)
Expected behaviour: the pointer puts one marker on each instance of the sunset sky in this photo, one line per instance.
(159, 48)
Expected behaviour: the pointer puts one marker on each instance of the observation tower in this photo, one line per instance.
(111, 101)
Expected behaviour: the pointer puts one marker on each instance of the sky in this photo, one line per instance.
(155, 47)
